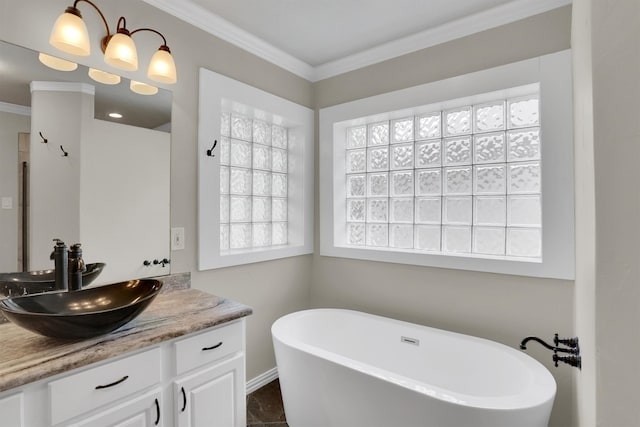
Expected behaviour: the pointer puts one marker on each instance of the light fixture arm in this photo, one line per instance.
(74, 10)
(164, 40)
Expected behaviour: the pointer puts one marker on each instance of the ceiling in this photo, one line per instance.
(317, 39)
(322, 31)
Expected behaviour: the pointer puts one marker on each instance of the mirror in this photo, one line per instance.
(110, 192)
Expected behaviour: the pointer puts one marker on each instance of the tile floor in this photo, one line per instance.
(264, 407)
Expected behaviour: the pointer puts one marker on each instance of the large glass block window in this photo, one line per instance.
(463, 180)
(253, 183)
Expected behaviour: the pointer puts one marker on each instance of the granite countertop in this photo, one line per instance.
(26, 357)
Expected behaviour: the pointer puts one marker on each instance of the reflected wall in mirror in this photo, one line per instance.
(110, 193)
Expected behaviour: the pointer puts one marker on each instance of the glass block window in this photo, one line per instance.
(253, 183)
(463, 180)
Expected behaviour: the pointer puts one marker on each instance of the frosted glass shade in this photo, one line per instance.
(162, 67)
(104, 77)
(70, 35)
(142, 88)
(121, 52)
(57, 63)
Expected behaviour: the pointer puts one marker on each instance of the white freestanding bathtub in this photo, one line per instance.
(341, 368)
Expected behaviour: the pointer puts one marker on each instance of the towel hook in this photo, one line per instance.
(210, 151)
(64, 153)
(44, 140)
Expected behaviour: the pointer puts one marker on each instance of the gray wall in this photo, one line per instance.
(607, 137)
(615, 51)
(585, 408)
(499, 307)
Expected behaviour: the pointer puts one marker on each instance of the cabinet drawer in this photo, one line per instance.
(82, 392)
(208, 346)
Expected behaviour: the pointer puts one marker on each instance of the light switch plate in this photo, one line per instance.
(177, 238)
(7, 203)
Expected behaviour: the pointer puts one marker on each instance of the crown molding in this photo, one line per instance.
(22, 110)
(202, 18)
(490, 18)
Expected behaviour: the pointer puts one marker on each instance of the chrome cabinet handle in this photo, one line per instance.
(213, 347)
(99, 387)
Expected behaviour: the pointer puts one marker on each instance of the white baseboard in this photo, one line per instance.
(262, 380)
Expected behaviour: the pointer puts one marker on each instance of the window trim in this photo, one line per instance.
(553, 73)
(216, 89)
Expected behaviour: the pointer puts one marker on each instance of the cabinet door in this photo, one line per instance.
(12, 411)
(212, 397)
(143, 411)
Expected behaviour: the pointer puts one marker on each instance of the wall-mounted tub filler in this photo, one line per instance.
(572, 348)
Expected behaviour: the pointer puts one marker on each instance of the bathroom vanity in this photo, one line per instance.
(181, 362)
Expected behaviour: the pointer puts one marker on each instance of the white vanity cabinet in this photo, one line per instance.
(196, 380)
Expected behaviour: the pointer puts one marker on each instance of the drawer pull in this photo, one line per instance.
(99, 387)
(157, 413)
(213, 347)
(184, 399)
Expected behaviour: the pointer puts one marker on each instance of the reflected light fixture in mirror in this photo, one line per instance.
(142, 88)
(57, 63)
(70, 35)
(104, 77)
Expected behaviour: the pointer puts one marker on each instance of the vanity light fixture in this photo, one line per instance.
(104, 77)
(70, 35)
(142, 88)
(57, 63)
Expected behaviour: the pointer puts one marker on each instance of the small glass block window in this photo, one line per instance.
(253, 183)
(463, 180)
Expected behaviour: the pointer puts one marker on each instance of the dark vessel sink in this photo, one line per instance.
(35, 282)
(81, 314)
